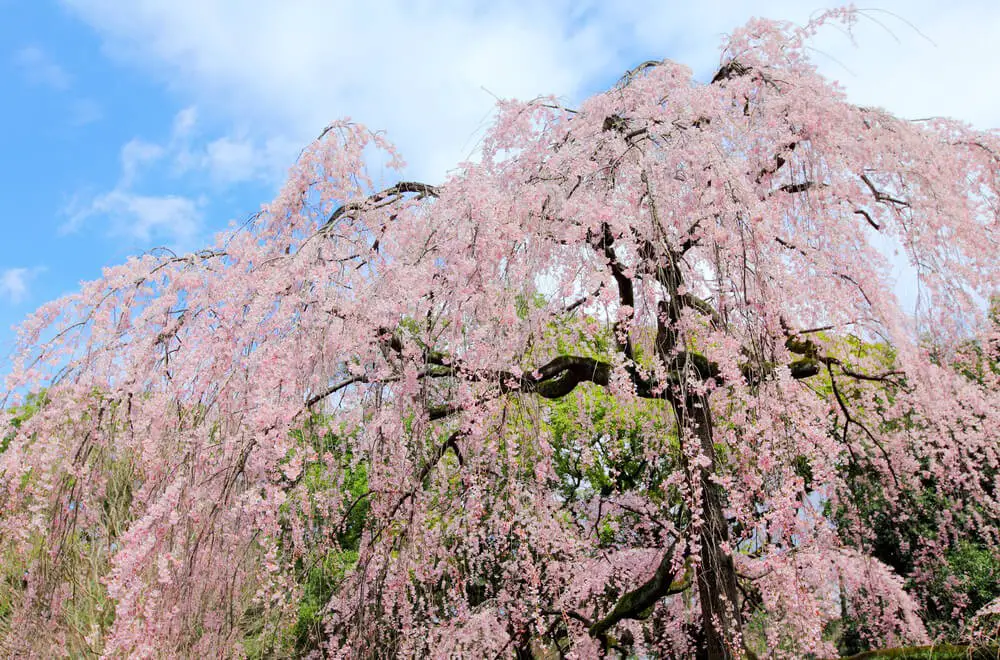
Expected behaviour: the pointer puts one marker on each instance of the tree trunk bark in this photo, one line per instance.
(717, 590)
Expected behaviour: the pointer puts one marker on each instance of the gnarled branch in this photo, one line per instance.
(635, 603)
(390, 194)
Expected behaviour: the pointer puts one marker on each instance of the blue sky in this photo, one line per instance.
(132, 125)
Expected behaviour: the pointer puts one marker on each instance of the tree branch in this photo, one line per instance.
(867, 216)
(605, 245)
(881, 196)
(633, 604)
(553, 380)
(703, 307)
(450, 443)
(729, 70)
(811, 354)
(851, 420)
(394, 192)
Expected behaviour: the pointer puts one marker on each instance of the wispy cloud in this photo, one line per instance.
(15, 282)
(193, 163)
(228, 160)
(145, 220)
(39, 68)
(271, 75)
(135, 156)
(85, 111)
(419, 69)
(173, 220)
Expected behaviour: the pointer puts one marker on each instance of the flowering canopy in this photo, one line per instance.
(617, 386)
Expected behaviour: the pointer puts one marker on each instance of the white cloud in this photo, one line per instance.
(231, 159)
(174, 219)
(421, 69)
(184, 122)
(237, 158)
(14, 283)
(189, 162)
(171, 220)
(135, 155)
(418, 69)
(40, 69)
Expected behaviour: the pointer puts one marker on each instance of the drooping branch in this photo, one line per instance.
(636, 603)
(797, 188)
(812, 359)
(553, 380)
(844, 276)
(450, 443)
(881, 196)
(729, 70)
(868, 218)
(850, 419)
(387, 196)
(703, 307)
(780, 159)
(433, 371)
(604, 244)
(692, 238)
(333, 389)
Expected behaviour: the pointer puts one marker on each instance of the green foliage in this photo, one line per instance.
(318, 574)
(20, 414)
(968, 579)
(934, 652)
(82, 554)
(321, 580)
(524, 304)
(965, 580)
(613, 438)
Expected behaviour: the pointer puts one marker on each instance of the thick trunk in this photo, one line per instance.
(717, 589)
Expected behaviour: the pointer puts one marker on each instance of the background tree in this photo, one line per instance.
(955, 576)
(600, 392)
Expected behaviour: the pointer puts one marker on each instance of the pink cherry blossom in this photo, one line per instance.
(601, 390)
